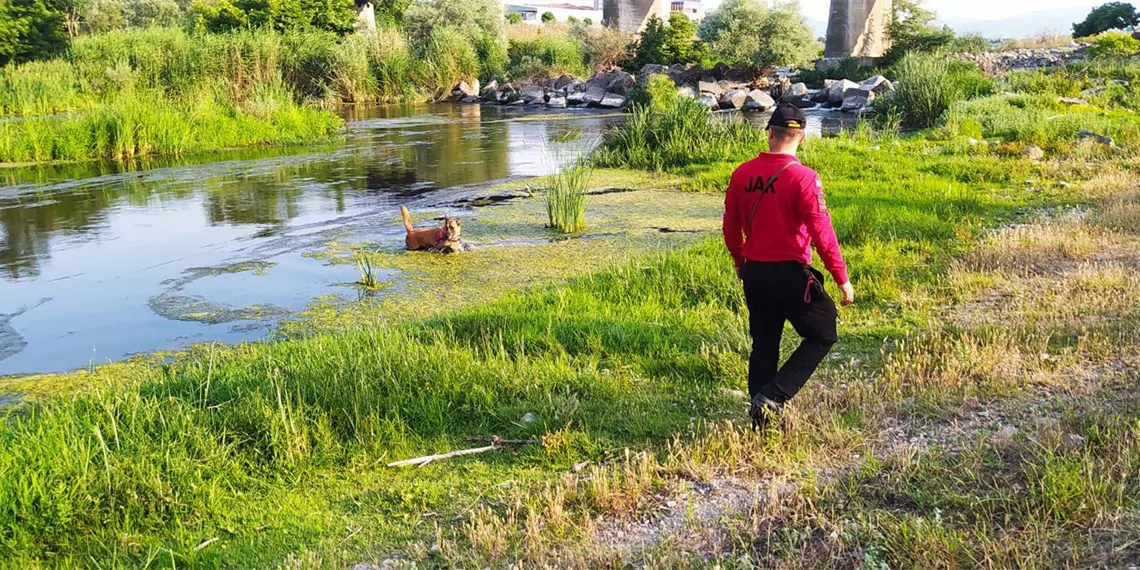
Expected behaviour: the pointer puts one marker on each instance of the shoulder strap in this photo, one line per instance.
(768, 187)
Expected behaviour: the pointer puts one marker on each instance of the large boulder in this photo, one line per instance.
(837, 90)
(507, 95)
(533, 94)
(613, 101)
(798, 95)
(576, 98)
(687, 91)
(857, 99)
(877, 84)
(557, 102)
(594, 95)
(488, 91)
(710, 86)
(820, 96)
(798, 90)
(651, 69)
(758, 100)
(621, 83)
(709, 101)
(733, 99)
(466, 89)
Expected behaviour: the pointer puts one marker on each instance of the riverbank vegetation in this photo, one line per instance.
(977, 408)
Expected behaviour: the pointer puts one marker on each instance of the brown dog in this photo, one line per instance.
(444, 239)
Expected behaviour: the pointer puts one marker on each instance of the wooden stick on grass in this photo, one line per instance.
(421, 461)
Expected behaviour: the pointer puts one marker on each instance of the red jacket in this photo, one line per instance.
(790, 218)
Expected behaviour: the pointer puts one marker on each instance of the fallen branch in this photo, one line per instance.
(421, 461)
(496, 441)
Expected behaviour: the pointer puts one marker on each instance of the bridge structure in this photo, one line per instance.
(855, 28)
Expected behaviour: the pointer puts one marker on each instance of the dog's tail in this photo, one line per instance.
(407, 218)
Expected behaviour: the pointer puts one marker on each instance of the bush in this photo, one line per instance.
(447, 59)
(338, 16)
(514, 18)
(548, 56)
(1114, 45)
(911, 32)
(1110, 16)
(603, 46)
(683, 134)
(548, 17)
(743, 34)
(666, 43)
(479, 21)
(927, 86)
(654, 95)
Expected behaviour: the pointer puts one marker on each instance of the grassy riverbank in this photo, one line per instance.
(977, 409)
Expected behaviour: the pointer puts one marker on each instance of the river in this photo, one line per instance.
(102, 261)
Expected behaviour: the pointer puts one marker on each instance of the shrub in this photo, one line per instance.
(548, 17)
(337, 16)
(554, 55)
(719, 20)
(1114, 45)
(447, 59)
(514, 18)
(1110, 16)
(603, 46)
(683, 134)
(654, 95)
(480, 22)
(927, 86)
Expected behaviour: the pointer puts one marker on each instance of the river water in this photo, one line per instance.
(102, 261)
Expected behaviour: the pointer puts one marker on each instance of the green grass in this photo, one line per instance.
(134, 126)
(927, 87)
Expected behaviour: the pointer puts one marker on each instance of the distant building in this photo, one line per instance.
(563, 11)
(694, 9)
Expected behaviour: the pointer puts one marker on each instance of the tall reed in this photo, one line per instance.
(566, 198)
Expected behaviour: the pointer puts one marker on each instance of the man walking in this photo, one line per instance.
(773, 212)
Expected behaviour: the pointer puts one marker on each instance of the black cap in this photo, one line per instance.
(788, 116)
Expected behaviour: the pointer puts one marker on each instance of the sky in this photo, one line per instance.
(951, 9)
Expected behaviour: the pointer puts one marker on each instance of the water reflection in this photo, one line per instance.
(85, 250)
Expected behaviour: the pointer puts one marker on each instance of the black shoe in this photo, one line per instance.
(763, 411)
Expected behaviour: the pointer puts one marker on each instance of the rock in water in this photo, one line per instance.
(594, 95)
(709, 86)
(613, 101)
(758, 100)
(556, 102)
(533, 94)
(621, 83)
(733, 99)
(877, 84)
(857, 99)
(488, 92)
(576, 98)
(709, 101)
(469, 89)
(837, 91)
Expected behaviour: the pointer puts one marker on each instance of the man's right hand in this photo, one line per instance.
(848, 294)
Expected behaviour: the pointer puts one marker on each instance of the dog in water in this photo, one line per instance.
(443, 239)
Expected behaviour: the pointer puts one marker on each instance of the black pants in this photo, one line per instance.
(779, 292)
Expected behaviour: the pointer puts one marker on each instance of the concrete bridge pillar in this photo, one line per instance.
(631, 15)
(858, 28)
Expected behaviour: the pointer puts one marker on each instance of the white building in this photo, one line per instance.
(532, 12)
(694, 9)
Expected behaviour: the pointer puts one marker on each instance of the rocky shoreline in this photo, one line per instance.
(719, 88)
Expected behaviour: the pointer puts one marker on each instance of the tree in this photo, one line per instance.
(728, 12)
(588, 21)
(219, 15)
(480, 20)
(514, 18)
(744, 34)
(911, 31)
(1111, 16)
(681, 45)
(547, 17)
(30, 29)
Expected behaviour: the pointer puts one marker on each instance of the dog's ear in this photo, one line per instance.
(458, 222)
